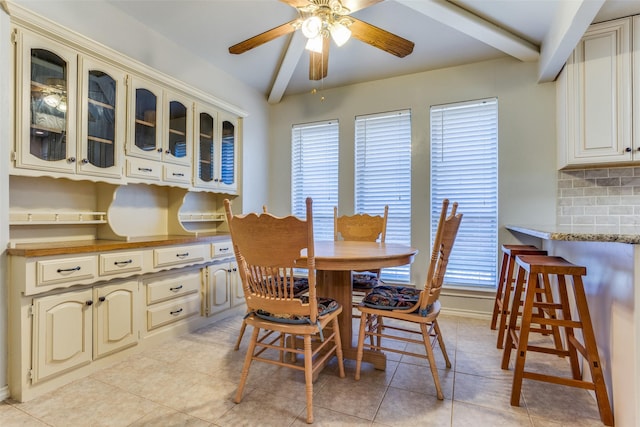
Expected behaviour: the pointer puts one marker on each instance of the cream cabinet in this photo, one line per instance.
(594, 96)
(73, 328)
(216, 165)
(222, 288)
(46, 104)
(172, 297)
(145, 111)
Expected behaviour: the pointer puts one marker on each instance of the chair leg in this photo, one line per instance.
(360, 351)
(308, 376)
(436, 328)
(247, 364)
(239, 340)
(432, 360)
(339, 355)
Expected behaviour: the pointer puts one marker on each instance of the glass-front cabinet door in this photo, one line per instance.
(46, 109)
(206, 128)
(228, 152)
(178, 129)
(102, 118)
(145, 107)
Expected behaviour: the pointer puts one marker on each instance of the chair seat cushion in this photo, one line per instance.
(325, 306)
(365, 280)
(392, 297)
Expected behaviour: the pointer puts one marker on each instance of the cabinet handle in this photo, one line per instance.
(223, 249)
(186, 254)
(167, 151)
(176, 311)
(145, 169)
(235, 269)
(102, 299)
(159, 150)
(129, 261)
(229, 270)
(178, 174)
(66, 270)
(85, 161)
(628, 149)
(177, 288)
(88, 302)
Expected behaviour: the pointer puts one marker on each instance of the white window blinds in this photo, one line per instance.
(464, 168)
(314, 173)
(383, 176)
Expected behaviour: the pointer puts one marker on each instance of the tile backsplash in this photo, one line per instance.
(608, 198)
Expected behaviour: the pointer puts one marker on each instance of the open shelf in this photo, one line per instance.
(56, 217)
(201, 217)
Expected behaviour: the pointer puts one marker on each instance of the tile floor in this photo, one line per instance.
(190, 381)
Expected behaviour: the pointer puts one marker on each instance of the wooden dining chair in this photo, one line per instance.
(411, 306)
(300, 287)
(268, 249)
(364, 228)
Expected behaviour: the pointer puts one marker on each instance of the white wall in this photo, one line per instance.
(527, 142)
(105, 24)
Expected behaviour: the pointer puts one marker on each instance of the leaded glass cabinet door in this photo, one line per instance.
(206, 128)
(227, 178)
(46, 108)
(178, 130)
(102, 119)
(145, 109)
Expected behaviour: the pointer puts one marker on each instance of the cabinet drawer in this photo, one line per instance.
(144, 169)
(222, 249)
(162, 289)
(179, 174)
(65, 270)
(172, 311)
(178, 255)
(120, 263)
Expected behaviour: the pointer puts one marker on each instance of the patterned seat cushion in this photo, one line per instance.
(392, 297)
(325, 306)
(365, 280)
(300, 285)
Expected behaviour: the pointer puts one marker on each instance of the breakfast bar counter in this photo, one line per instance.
(612, 259)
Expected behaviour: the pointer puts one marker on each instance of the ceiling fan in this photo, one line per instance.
(320, 19)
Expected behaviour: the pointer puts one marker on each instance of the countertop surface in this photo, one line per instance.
(581, 233)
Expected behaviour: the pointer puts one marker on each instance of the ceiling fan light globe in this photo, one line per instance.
(340, 33)
(315, 44)
(311, 27)
(52, 100)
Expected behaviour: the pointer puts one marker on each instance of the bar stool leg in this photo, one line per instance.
(511, 338)
(505, 304)
(568, 330)
(500, 291)
(551, 312)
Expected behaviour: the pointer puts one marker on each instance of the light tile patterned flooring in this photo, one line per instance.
(191, 380)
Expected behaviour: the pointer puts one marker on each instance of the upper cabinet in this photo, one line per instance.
(87, 113)
(217, 151)
(594, 98)
(46, 127)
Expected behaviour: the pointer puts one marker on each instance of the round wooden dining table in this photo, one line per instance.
(335, 260)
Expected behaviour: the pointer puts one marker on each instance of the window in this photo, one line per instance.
(314, 173)
(464, 168)
(383, 177)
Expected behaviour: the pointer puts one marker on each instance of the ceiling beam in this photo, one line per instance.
(472, 25)
(287, 66)
(571, 21)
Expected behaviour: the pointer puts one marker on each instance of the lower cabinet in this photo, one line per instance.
(73, 328)
(172, 297)
(221, 287)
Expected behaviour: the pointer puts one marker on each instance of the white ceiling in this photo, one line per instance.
(445, 33)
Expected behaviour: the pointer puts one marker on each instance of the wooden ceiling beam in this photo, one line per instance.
(294, 51)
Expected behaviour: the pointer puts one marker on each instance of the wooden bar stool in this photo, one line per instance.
(505, 286)
(530, 269)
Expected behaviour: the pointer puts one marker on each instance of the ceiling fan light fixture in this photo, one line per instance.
(340, 33)
(52, 100)
(315, 44)
(311, 27)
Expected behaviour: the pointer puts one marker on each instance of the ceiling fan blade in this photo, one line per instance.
(263, 37)
(380, 38)
(354, 5)
(319, 62)
(296, 3)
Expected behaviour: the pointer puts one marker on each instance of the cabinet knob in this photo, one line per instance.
(628, 149)
(85, 161)
(167, 151)
(88, 302)
(102, 299)
(71, 160)
(159, 150)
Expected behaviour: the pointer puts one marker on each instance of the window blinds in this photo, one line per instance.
(383, 176)
(464, 168)
(314, 173)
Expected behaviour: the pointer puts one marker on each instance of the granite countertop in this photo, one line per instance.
(580, 233)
